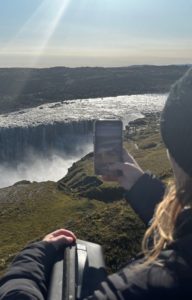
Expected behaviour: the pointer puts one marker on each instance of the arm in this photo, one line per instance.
(141, 282)
(125, 284)
(29, 273)
(168, 277)
(142, 191)
(144, 195)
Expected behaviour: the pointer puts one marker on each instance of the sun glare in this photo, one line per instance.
(58, 9)
(41, 26)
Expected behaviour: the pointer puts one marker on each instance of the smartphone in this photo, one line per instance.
(108, 145)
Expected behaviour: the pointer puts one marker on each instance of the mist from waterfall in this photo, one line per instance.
(36, 167)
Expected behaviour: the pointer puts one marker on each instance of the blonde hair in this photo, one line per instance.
(161, 231)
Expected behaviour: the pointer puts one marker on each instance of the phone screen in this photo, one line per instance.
(107, 145)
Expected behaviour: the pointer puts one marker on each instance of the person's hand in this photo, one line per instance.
(129, 171)
(60, 237)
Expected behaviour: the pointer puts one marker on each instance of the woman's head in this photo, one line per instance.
(176, 123)
(176, 130)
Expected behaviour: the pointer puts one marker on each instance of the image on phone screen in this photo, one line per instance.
(107, 145)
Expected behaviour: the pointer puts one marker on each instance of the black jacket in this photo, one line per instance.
(28, 276)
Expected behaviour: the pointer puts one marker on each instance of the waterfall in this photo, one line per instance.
(45, 139)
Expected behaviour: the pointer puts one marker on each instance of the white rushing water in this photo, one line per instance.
(125, 107)
(41, 168)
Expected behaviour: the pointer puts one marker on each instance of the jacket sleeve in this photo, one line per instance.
(28, 276)
(143, 197)
(126, 284)
(139, 282)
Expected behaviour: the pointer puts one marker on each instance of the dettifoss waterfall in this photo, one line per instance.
(55, 135)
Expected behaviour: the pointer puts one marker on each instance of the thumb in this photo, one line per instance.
(123, 167)
(127, 156)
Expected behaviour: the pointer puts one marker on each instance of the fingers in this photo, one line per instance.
(63, 235)
(127, 157)
(64, 232)
(126, 173)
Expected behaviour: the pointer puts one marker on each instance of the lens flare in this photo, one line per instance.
(57, 10)
(38, 29)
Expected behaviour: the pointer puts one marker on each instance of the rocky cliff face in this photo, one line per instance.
(45, 139)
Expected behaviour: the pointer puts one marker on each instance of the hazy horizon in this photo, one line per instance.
(118, 66)
(88, 33)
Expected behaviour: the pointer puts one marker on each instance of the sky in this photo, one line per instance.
(108, 33)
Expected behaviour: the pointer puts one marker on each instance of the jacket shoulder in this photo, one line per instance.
(160, 280)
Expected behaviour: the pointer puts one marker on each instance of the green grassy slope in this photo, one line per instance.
(41, 208)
